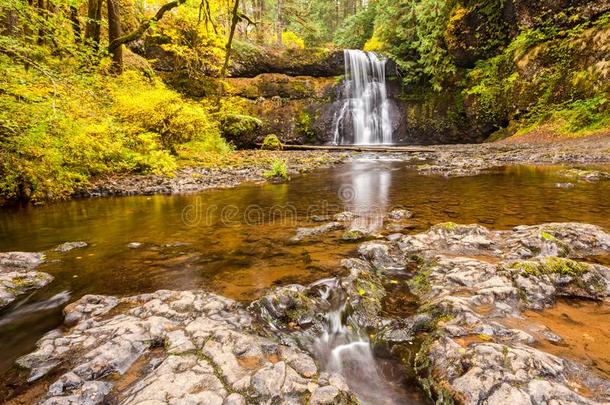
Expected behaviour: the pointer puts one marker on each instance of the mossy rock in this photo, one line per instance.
(552, 265)
(241, 130)
(272, 142)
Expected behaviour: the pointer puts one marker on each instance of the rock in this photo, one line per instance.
(383, 255)
(134, 245)
(470, 160)
(354, 234)
(287, 307)
(564, 185)
(68, 246)
(193, 179)
(17, 275)
(345, 216)
(468, 297)
(324, 395)
(205, 353)
(303, 233)
(399, 214)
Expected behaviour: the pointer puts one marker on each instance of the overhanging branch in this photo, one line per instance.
(138, 32)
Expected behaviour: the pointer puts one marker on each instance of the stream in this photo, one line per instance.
(236, 242)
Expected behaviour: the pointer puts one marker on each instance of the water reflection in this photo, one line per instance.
(365, 191)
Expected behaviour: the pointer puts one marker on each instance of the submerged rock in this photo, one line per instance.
(303, 233)
(585, 175)
(17, 275)
(354, 234)
(68, 246)
(172, 347)
(399, 214)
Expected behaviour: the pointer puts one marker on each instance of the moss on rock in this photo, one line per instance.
(272, 142)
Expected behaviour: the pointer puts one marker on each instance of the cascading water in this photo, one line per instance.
(347, 351)
(364, 115)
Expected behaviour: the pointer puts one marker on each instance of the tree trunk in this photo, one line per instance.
(9, 24)
(114, 32)
(234, 21)
(279, 29)
(337, 16)
(43, 11)
(260, 27)
(75, 24)
(93, 26)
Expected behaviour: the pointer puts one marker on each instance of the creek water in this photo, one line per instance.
(364, 117)
(235, 242)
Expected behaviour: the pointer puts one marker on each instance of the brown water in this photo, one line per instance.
(236, 241)
(584, 328)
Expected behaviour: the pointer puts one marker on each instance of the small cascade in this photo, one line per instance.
(364, 116)
(344, 350)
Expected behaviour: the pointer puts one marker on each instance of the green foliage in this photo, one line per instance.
(357, 29)
(584, 115)
(272, 142)
(304, 125)
(412, 31)
(278, 169)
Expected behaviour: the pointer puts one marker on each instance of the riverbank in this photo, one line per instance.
(243, 166)
(234, 169)
(448, 160)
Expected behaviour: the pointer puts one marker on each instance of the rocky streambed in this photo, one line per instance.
(462, 337)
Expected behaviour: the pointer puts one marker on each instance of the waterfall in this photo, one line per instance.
(365, 110)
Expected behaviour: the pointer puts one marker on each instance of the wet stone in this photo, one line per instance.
(18, 275)
(304, 233)
(208, 354)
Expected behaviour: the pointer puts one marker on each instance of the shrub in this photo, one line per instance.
(59, 127)
(278, 169)
(272, 142)
(151, 107)
(292, 40)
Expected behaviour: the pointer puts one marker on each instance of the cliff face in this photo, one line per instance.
(516, 67)
(513, 64)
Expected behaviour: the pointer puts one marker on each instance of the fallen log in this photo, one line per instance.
(359, 148)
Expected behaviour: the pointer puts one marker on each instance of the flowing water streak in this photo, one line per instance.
(366, 103)
(346, 351)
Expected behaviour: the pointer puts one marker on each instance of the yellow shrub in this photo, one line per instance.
(292, 40)
(373, 44)
(155, 108)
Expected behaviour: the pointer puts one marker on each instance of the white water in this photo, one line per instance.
(347, 351)
(366, 102)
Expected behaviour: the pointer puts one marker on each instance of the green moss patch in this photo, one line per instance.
(552, 265)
